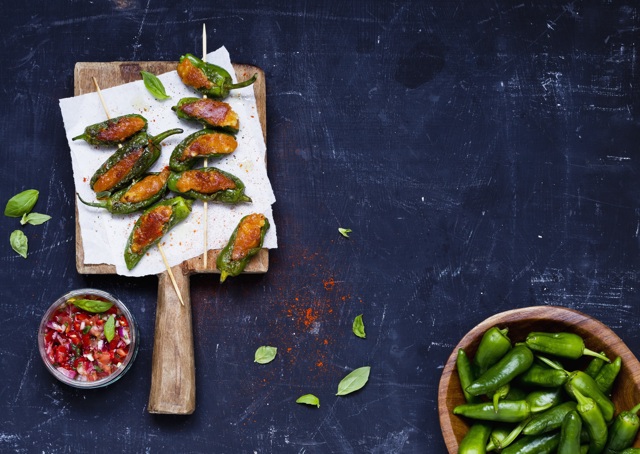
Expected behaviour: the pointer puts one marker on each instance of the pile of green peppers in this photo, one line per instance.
(519, 400)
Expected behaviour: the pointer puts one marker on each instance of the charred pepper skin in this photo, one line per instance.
(230, 266)
(145, 151)
(114, 131)
(180, 209)
(232, 195)
(211, 113)
(116, 204)
(219, 144)
(207, 78)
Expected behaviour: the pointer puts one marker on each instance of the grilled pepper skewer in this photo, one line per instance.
(209, 79)
(205, 143)
(245, 242)
(128, 163)
(154, 223)
(210, 184)
(140, 194)
(114, 131)
(211, 113)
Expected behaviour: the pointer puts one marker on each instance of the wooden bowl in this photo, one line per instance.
(597, 337)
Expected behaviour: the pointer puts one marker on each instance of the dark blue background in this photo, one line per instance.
(484, 153)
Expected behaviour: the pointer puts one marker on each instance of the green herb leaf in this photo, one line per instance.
(110, 328)
(34, 218)
(358, 327)
(154, 85)
(354, 381)
(344, 232)
(19, 242)
(308, 399)
(94, 306)
(265, 354)
(21, 203)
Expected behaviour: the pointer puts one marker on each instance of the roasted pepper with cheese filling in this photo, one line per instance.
(211, 113)
(137, 196)
(205, 143)
(128, 163)
(207, 78)
(114, 131)
(152, 225)
(245, 242)
(210, 184)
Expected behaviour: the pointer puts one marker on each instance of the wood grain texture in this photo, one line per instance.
(597, 336)
(173, 386)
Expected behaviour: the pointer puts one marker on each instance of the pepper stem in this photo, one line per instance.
(245, 198)
(163, 135)
(550, 363)
(635, 409)
(81, 136)
(602, 356)
(93, 204)
(223, 276)
(243, 84)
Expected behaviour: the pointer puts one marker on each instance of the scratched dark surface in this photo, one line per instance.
(484, 153)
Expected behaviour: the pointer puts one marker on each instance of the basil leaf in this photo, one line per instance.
(94, 306)
(344, 232)
(265, 354)
(110, 328)
(358, 327)
(154, 85)
(308, 399)
(34, 218)
(21, 203)
(354, 381)
(19, 242)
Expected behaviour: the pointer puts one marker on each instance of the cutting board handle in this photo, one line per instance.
(173, 373)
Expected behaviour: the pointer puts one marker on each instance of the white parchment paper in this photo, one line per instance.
(104, 235)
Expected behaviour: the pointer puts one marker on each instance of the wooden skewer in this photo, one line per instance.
(205, 205)
(164, 257)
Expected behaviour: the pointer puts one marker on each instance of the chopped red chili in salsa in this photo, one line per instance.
(76, 345)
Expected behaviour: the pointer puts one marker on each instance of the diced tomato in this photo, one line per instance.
(74, 338)
(61, 354)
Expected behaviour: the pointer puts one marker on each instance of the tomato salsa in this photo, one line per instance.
(87, 345)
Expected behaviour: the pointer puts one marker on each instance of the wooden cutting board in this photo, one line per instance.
(173, 387)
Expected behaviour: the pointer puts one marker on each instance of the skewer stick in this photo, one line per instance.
(164, 258)
(206, 205)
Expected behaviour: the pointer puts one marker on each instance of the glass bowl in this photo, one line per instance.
(82, 345)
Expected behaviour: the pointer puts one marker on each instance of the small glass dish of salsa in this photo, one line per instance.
(88, 339)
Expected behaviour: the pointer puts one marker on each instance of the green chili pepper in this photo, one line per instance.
(465, 374)
(508, 411)
(245, 242)
(500, 439)
(205, 143)
(580, 381)
(514, 363)
(211, 113)
(570, 433)
(516, 394)
(152, 225)
(538, 375)
(593, 421)
(544, 399)
(137, 196)
(475, 440)
(594, 366)
(623, 431)
(498, 434)
(128, 163)
(631, 451)
(549, 420)
(607, 375)
(207, 78)
(210, 184)
(493, 346)
(531, 444)
(564, 345)
(114, 131)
